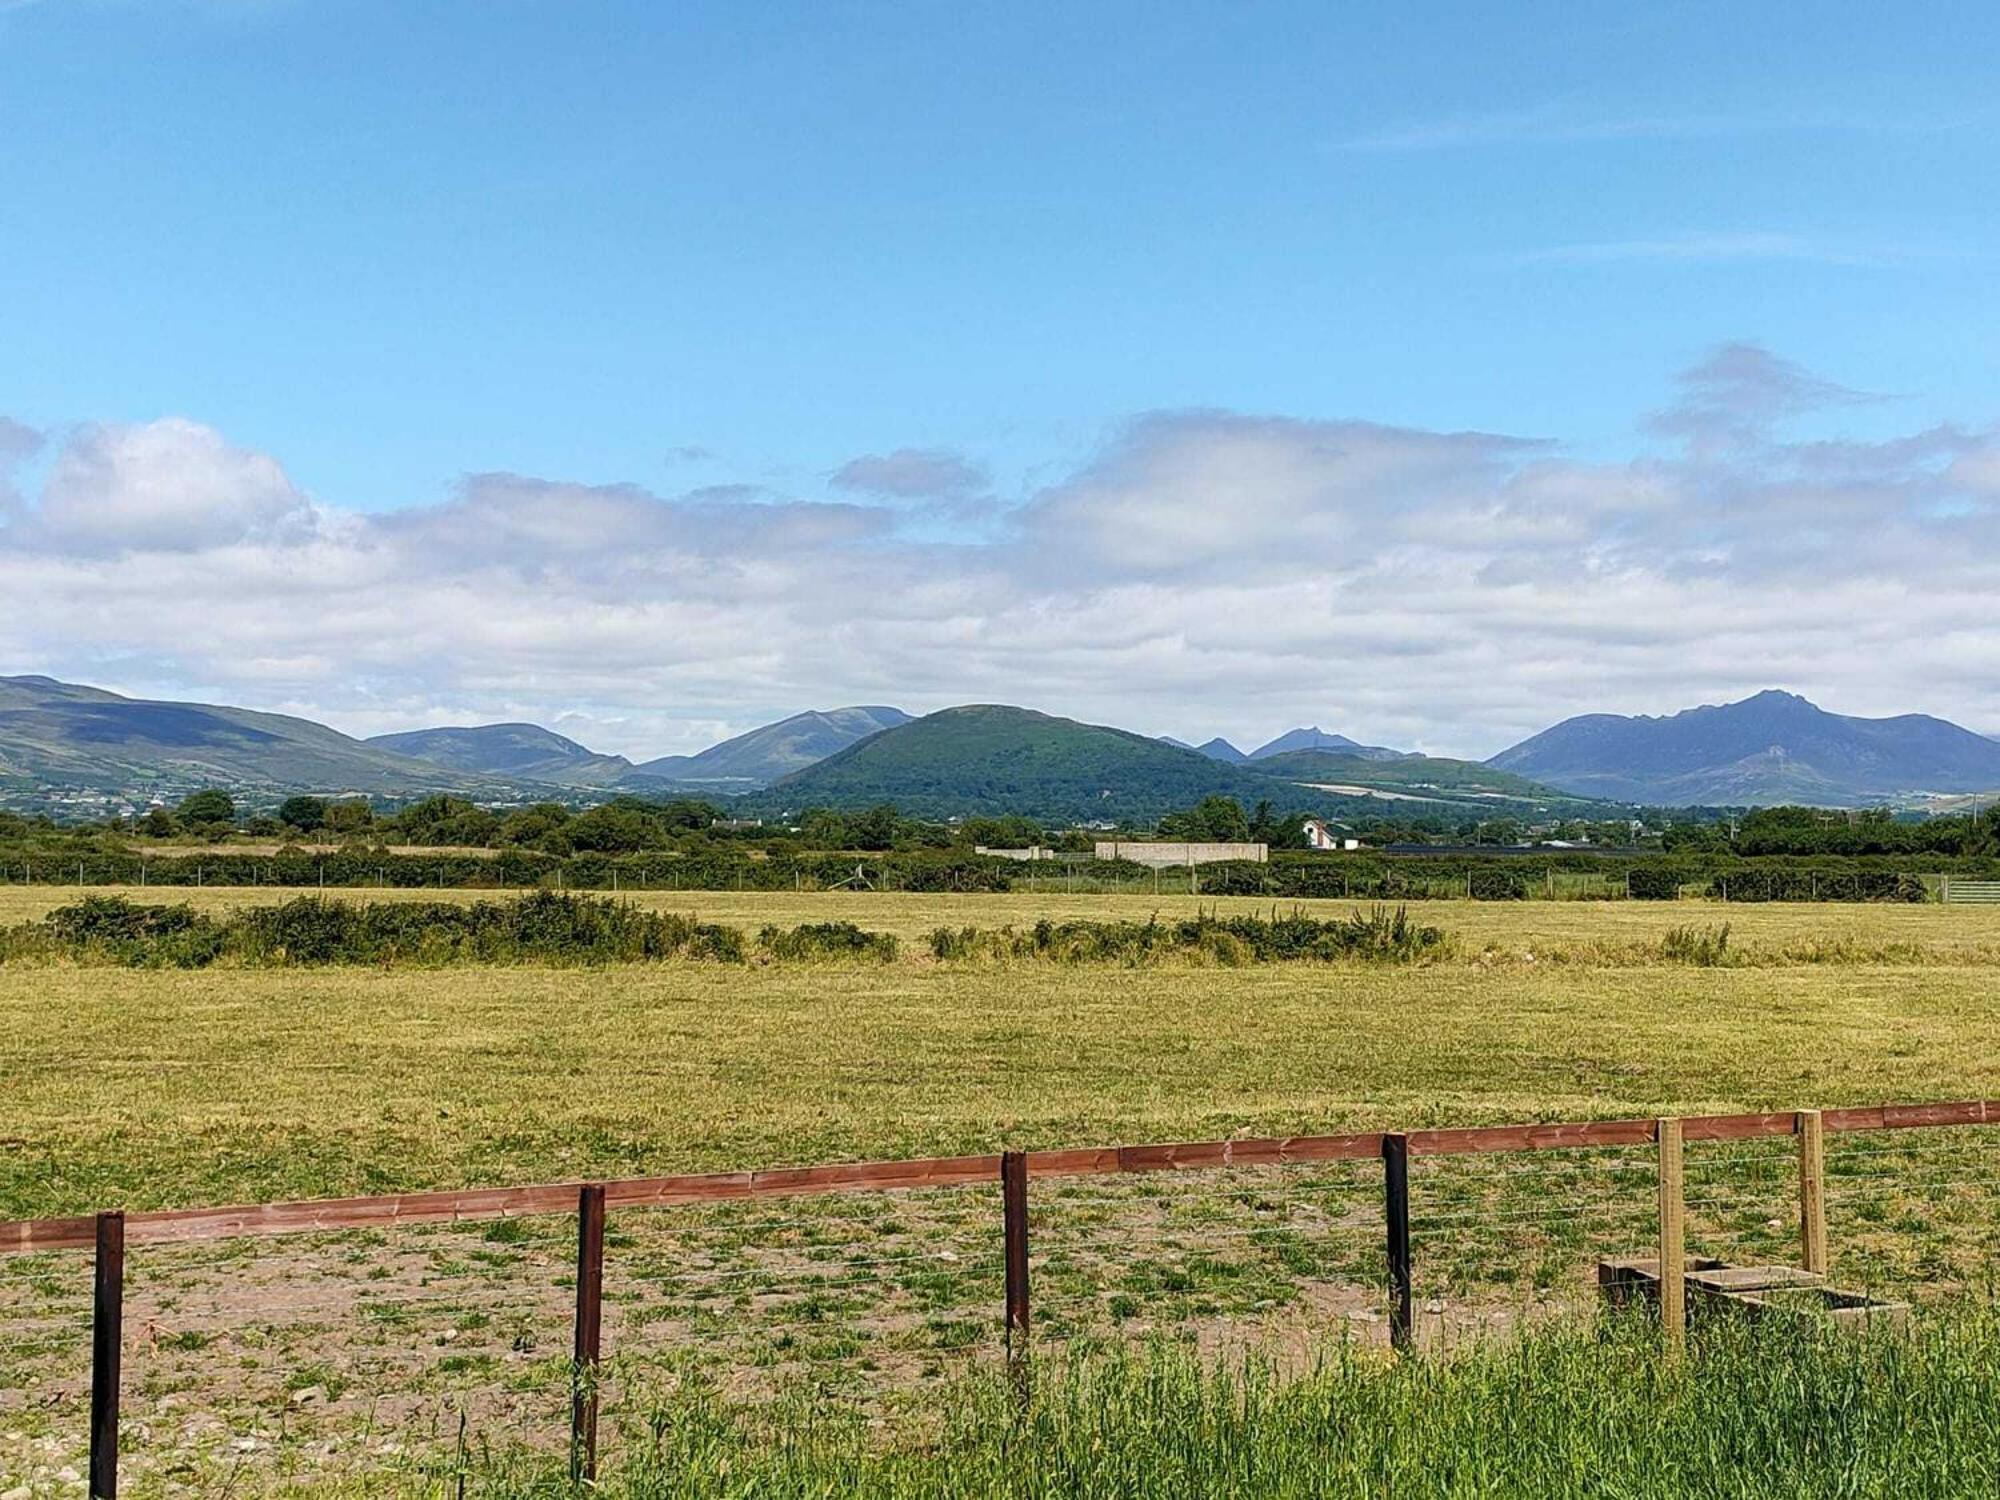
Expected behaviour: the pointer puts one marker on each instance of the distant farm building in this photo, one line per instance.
(1159, 855)
(1028, 855)
(1320, 835)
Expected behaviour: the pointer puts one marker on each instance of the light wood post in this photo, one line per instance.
(1812, 1191)
(1673, 1240)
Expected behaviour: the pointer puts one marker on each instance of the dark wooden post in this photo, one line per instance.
(1396, 1215)
(589, 1324)
(1014, 1211)
(107, 1342)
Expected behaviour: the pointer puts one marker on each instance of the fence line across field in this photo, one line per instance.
(110, 1234)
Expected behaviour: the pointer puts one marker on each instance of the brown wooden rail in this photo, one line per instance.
(173, 1225)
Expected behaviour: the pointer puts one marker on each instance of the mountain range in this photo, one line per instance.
(526, 751)
(992, 758)
(61, 734)
(59, 739)
(776, 750)
(1773, 747)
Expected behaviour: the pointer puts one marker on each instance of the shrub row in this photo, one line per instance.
(1378, 936)
(1817, 885)
(542, 927)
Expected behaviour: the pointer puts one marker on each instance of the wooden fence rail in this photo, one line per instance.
(109, 1234)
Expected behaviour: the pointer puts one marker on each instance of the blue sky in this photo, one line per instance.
(726, 251)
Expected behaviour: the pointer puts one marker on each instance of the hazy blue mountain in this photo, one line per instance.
(763, 755)
(1316, 738)
(59, 734)
(1220, 749)
(1771, 748)
(517, 750)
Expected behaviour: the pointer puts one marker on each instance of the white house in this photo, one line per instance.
(1320, 835)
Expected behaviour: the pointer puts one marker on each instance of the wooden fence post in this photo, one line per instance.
(107, 1342)
(1396, 1215)
(1812, 1191)
(1673, 1239)
(589, 1322)
(1014, 1215)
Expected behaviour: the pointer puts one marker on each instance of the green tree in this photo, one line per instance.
(1213, 820)
(355, 815)
(159, 824)
(1011, 832)
(874, 829)
(208, 808)
(307, 814)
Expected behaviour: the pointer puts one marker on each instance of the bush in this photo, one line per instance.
(1379, 936)
(541, 927)
(819, 940)
(1653, 883)
(1497, 884)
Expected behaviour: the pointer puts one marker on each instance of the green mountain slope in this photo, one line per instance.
(763, 755)
(511, 750)
(62, 735)
(988, 758)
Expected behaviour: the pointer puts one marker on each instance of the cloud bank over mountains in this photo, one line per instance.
(1202, 571)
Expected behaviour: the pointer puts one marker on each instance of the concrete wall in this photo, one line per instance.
(1161, 854)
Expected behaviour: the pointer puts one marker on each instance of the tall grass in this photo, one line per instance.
(1586, 1408)
(542, 927)
(1378, 935)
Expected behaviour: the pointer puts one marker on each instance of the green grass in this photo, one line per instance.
(1584, 1408)
(165, 1088)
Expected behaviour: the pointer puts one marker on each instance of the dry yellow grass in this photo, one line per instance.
(156, 1088)
(165, 1087)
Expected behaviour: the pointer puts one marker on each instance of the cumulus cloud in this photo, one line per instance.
(1204, 571)
(171, 485)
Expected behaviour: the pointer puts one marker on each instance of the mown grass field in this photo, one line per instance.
(144, 1088)
(153, 1088)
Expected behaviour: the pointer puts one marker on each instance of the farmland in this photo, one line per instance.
(160, 1088)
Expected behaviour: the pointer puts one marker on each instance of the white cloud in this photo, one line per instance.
(1204, 572)
(170, 485)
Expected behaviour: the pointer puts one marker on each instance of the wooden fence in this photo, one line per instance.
(108, 1234)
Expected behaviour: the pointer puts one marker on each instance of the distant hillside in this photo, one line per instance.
(1417, 772)
(1772, 748)
(1315, 738)
(1220, 749)
(764, 755)
(513, 750)
(993, 759)
(60, 734)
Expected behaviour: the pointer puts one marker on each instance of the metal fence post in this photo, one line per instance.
(107, 1342)
(589, 1322)
(1396, 1215)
